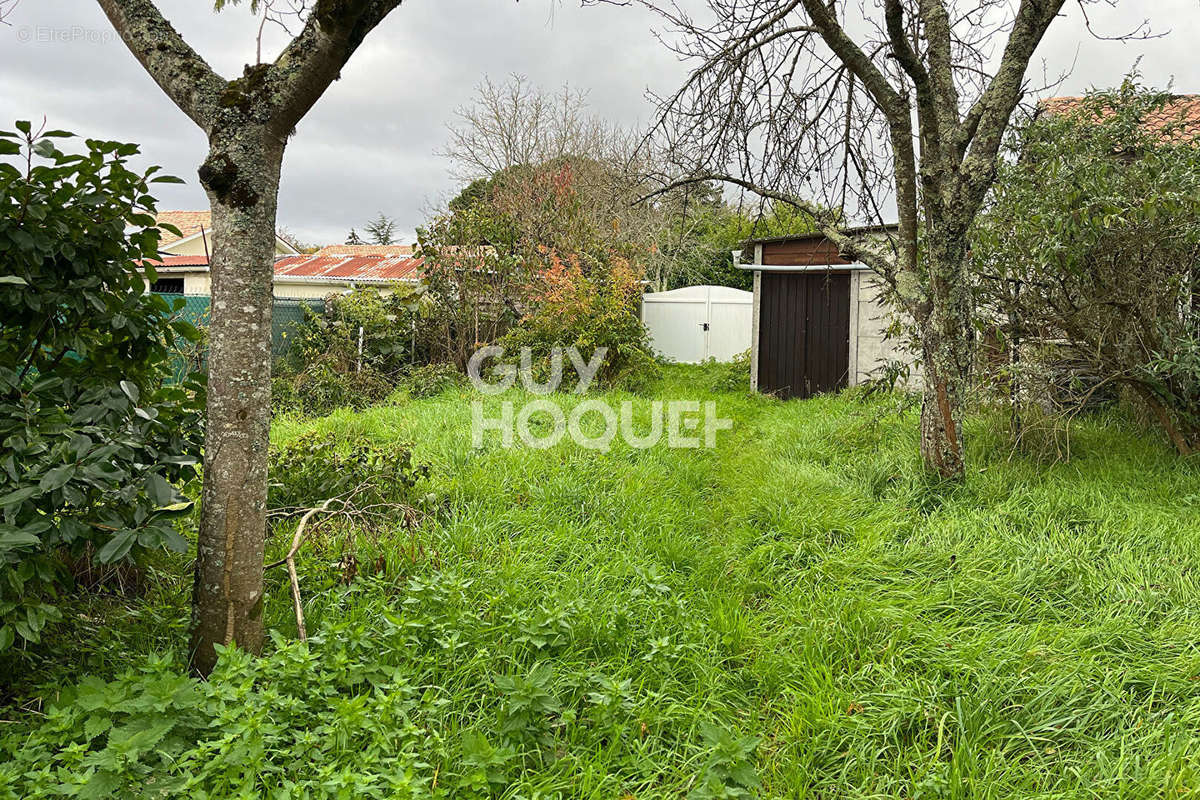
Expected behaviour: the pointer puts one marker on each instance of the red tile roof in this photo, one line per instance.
(178, 261)
(344, 269)
(365, 250)
(1179, 118)
(188, 222)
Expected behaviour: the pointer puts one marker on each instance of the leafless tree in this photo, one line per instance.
(516, 123)
(525, 139)
(7, 7)
(865, 110)
(247, 120)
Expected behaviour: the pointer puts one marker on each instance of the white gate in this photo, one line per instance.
(697, 323)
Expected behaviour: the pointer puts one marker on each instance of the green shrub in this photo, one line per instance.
(354, 354)
(155, 733)
(95, 438)
(324, 385)
(735, 375)
(312, 468)
(1088, 252)
(430, 380)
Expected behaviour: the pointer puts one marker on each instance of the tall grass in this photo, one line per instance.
(799, 612)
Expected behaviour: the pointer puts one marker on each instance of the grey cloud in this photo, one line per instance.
(370, 144)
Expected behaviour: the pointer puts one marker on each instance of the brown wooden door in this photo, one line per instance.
(804, 333)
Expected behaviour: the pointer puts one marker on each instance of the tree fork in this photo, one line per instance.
(247, 121)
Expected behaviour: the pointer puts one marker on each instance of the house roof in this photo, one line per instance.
(317, 268)
(1178, 119)
(177, 261)
(192, 224)
(365, 250)
(189, 223)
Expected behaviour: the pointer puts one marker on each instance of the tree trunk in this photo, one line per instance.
(241, 177)
(946, 344)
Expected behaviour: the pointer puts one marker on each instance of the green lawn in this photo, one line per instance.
(795, 613)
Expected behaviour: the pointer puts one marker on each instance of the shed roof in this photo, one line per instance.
(802, 237)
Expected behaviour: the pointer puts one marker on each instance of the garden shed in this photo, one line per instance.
(819, 323)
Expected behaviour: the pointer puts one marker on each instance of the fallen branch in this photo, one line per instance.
(408, 516)
(290, 560)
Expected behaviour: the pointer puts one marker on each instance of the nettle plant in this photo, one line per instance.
(94, 438)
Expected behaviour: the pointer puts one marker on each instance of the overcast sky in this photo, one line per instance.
(370, 144)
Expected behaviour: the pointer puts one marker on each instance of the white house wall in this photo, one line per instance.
(195, 246)
(200, 283)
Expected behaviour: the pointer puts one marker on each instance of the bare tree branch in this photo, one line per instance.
(183, 75)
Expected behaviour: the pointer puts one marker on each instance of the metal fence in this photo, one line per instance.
(286, 317)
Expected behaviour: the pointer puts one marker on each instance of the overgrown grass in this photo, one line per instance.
(798, 613)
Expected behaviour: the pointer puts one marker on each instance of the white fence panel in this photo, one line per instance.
(697, 323)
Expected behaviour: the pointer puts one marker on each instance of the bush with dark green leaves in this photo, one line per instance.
(1089, 260)
(94, 438)
(430, 380)
(354, 354)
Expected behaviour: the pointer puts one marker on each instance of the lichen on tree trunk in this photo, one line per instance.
(241, 176)
(247, 120)
(946, 352)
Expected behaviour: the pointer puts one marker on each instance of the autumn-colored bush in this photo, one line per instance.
(587, 310)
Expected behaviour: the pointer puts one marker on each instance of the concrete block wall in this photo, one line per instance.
(870, 317)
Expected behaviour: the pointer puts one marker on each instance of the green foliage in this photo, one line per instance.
(1092, 239)
(381, 230)
(95, 439)
(701, 233)
(430, 380)
(528, 705)
(729, 771)
(355, 353)
(155, 733)
(587, 311)
(1173, 372)
(735, 376)
(476, 275)
(310, 469)
(800, 612)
